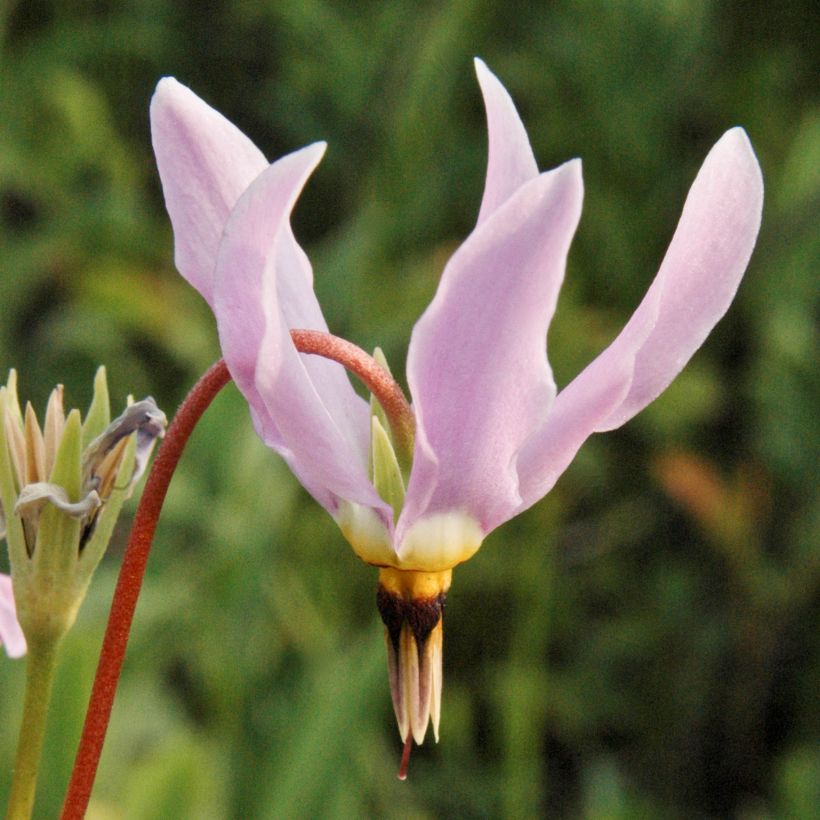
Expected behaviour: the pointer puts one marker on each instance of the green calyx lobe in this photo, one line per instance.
(389, 465)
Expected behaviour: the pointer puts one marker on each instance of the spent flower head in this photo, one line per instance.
(489, 433)
(62, 485)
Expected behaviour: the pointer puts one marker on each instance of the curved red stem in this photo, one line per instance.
(374, 377)
(135, 558)
(128, 588)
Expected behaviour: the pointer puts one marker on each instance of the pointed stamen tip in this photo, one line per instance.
(405, 757)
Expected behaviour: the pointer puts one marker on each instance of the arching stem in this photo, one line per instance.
(377, 380)
(132, 571)
(128, 588)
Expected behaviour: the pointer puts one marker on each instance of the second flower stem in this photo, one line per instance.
(128, 588)
(40, 665)
(132, 571)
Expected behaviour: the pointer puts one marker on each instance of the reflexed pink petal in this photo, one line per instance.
(693, 289)
(477, 364)
(303, 406)
(510, 162)
(11, 636)
(205, 163)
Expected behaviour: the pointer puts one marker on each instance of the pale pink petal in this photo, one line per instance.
(205, 163)
(510, 161)
(693, 289)
(477, 364)
(303, 406)
(11, 636)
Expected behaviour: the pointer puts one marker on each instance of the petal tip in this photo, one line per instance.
(168, 88)
(308, 157)
(317, 148)
(574, 167)
(735, 149)
(737, 141)
(569, 173)
(737, 134)
(480, 67)
(167, 82)
(172, 103)
(488, 81)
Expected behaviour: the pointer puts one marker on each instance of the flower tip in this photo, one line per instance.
(303, 162)
(569, 178)
(166, 86)
(573, 167)
(489, 83)
(318, 148)
(16, 650)
(167, 95)
(405, 757)
(15, 643)
(171, 95)
(734, 153)
(737, 133)
(11, 635)
(735, 142)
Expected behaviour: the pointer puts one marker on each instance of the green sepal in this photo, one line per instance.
(387, 478)
(375, 406)
(58, 534)
(94, 549)
(402, 448)
(13, 402)
(46, 601)
(18, 553)
(98, 416)
(66, 472)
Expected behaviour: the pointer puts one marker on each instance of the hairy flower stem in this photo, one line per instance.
(132, 571)
(128, 588)
(377, 380)
(40, 664)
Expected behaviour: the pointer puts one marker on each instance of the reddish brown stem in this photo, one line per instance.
(129, 583)
(128, 588)
(375, 378)
(405, 757)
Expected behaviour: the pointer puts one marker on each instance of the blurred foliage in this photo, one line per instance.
(644, 642)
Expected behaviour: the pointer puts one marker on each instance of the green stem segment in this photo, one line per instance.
(40, 665)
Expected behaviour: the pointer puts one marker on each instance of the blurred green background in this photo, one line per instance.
(644, 642)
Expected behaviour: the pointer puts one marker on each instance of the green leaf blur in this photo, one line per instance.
(643, 643)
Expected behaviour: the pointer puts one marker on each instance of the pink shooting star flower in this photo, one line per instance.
(491, 433)
(11, 636)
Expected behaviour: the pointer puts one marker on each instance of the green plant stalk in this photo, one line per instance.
(41, 663)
